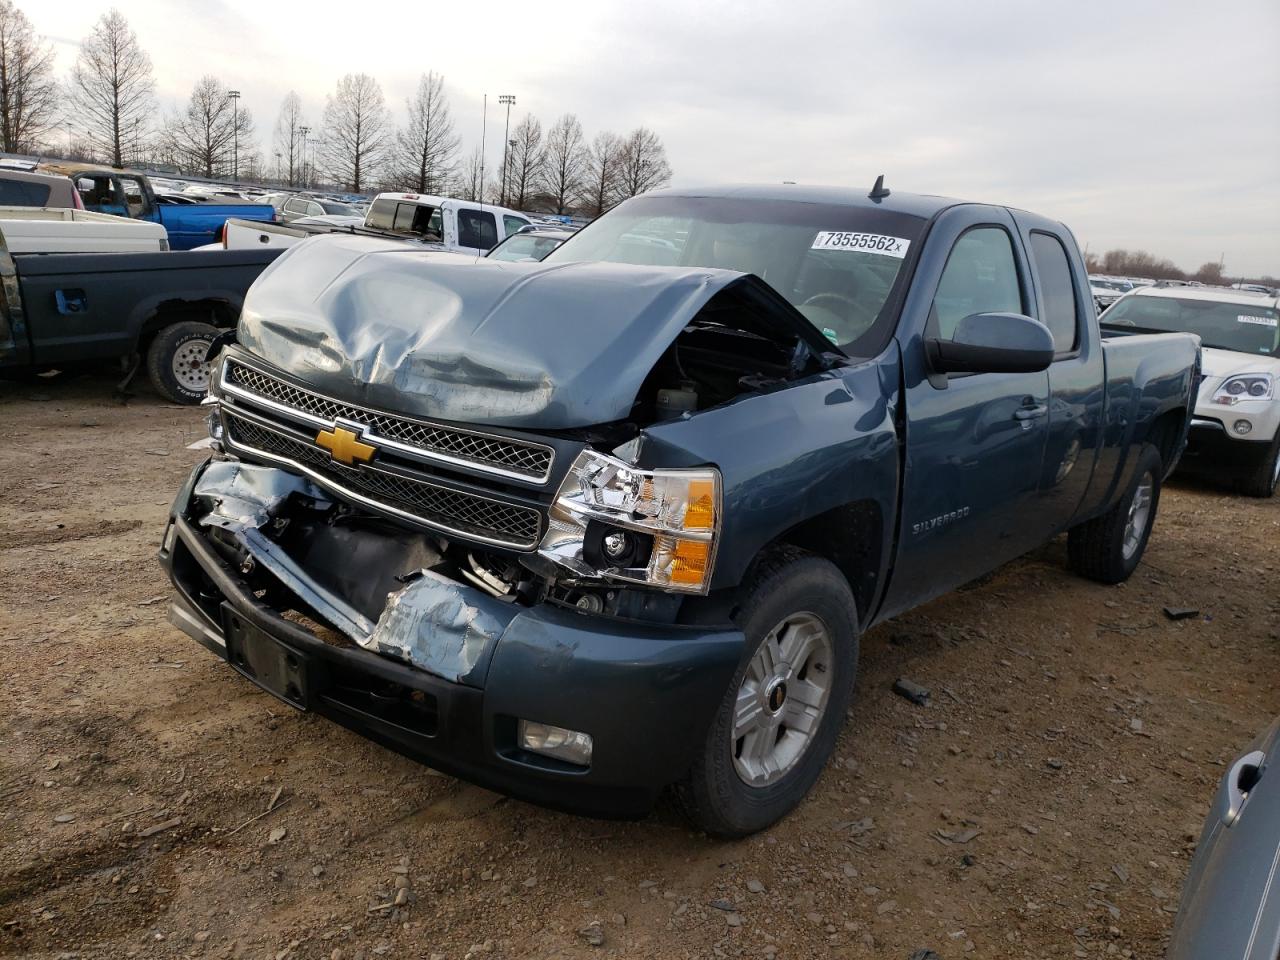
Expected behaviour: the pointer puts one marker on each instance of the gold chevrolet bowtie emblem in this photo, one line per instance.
(345, 446)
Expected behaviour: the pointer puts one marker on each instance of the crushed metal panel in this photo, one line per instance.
(441, 626)
(238, 495)
(487, 343)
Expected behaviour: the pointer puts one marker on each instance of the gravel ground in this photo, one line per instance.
(1044, 803)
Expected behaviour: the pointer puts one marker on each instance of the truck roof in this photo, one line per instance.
(70, 169)
(912, 204)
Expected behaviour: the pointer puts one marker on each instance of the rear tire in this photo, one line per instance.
(1263, 480)
(175, 361)
(1108, 548)
(780, 717)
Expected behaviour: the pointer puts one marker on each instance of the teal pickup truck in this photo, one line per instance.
(128, 193)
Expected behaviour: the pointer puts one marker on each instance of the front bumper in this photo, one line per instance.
(646, 693)
(1213, 450)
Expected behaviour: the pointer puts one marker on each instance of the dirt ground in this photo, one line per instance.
(1044, 804)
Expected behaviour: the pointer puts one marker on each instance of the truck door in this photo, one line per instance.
(974, 442)
(1075, 377)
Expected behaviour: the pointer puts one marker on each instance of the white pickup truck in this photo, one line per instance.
(459, 226)
(53, 230)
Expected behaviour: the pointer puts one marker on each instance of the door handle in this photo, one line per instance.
(1031, 412)
(1241, 778)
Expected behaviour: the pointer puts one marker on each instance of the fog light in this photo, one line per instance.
(570, 746)
(1242, 427)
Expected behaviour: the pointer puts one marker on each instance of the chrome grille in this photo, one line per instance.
(437, 506)
(529, 460)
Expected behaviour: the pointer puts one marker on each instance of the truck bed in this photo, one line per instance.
(75, 308)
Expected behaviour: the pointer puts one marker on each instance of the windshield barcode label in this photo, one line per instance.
(861, 243)
(1260, 321)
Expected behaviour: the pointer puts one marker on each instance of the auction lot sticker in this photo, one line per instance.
(1260, 321)
(861, 243)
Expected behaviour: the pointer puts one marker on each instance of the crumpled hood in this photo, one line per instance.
(475, 341)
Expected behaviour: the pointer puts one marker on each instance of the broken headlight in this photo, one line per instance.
(654, 527)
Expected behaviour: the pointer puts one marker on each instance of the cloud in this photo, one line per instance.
(1150, 123)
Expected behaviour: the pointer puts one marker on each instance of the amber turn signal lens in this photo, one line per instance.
(700, 513)
(689, 562)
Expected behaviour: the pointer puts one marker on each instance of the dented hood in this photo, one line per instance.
(545, 346)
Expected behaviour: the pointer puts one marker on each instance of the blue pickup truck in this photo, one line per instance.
(586, 529)
(128, 193)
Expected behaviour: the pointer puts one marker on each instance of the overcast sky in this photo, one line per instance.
(1141, 124)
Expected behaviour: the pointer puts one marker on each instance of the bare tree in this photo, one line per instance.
(524, 161)
(564, 157)
(600, 176)
(288, 139)
(111, 86)
(426, 149)
(356, 134)
(642, 164)
(1210, 273)
(470, 185)
(205, 132)
(28, 92)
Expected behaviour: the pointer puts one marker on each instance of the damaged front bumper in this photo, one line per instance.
(445, 673)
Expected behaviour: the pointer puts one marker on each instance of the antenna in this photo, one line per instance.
(879, 191)
(484, 123)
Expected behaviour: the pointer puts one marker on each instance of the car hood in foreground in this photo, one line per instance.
(543, 346)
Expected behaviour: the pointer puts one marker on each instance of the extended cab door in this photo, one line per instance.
(1076, 376)
(974, 442)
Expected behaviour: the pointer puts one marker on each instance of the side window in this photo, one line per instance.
(512, 224)
(101, 195)
(477, 229)
(981, 276)
(294, 206)
(134, 197)
(1054, 270)
(314, 209)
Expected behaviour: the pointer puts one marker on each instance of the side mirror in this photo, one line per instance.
(993, 343)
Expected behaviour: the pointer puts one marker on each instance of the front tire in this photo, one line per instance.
(1108, 548)
(175, 361)
(1262, 482)
(779, 719)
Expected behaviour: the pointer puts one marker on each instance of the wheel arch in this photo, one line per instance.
(853, 537)
(221, 310)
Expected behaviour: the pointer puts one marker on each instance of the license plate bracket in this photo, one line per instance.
(281, 670)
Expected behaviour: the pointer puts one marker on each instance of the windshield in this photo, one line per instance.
(837, 264)
(524, 246)
(1243, 327)
(339, 209)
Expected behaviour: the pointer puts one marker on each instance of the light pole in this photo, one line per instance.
(304, 131)
(278, 165)
(509, 101)
(235, 133)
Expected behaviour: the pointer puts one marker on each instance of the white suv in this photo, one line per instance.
(1235, 432)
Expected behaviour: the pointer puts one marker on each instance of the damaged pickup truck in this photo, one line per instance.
(585, 529)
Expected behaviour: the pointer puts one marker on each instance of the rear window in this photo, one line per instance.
(476, 229)
(23, 193)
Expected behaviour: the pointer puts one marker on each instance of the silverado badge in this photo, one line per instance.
(345, 446)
